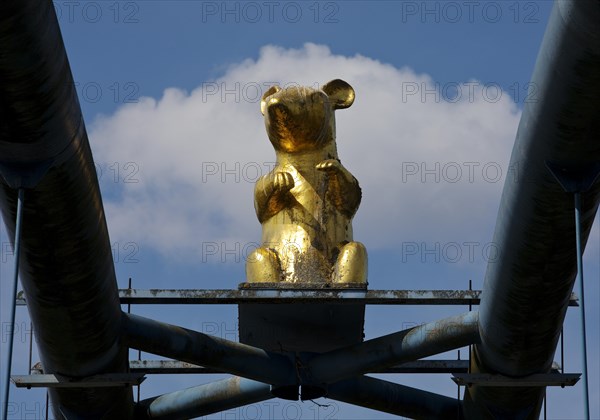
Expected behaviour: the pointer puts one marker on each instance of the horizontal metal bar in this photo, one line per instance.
(419, 366)
(538, 379)
(158, 367)
(59, 381)
(427, 366)
(372, 297)
(344, 296)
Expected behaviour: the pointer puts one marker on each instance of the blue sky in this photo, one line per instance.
(169, 94)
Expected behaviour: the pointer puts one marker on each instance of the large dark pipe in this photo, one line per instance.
(527, 288)
(67, 269)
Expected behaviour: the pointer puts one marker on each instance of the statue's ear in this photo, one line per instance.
(340, 93)
(263, 103)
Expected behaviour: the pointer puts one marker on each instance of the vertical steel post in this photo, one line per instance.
(30, 348)
(13, 300)
(578, 179)
(470, 309)
(139, 351)
(562, 350)
(584, 375)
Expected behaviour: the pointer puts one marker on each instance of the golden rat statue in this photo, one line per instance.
(306, 204)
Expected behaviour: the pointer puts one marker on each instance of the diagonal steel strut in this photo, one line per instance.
(404, 346)
(363, 391)
(194, 347)
(393, 398)
(322, 369)
(204, 399)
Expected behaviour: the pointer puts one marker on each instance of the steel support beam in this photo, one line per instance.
(404, 346)
(291, 295)
(204, 399)
(396, 399)
(418, 366)
(194, 347)
(163, 367)
(227, 297)
(96, 381)
(538, 379)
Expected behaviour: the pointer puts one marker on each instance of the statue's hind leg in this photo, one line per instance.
(263, 266)
(351, 264)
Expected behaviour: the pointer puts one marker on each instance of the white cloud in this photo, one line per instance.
(184, 144)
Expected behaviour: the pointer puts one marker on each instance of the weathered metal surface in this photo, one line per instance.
(202, 349)
(168, 367)
(408, 345)
(427, 366)
(418, 366)
(341, 297)
(107, 380)
(396, 399)
(537, 379)
(157, 367)
(307, 202)
(66, 266)
(527, 288)
(204, 399)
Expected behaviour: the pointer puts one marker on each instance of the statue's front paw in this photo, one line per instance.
(351, 264)
(284, 181)
(263, 266)
(329, 165)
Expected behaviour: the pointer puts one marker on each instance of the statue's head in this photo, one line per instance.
(300, 119)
